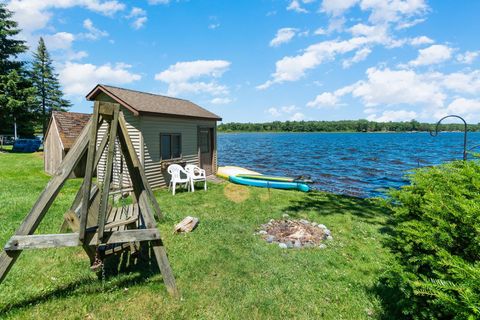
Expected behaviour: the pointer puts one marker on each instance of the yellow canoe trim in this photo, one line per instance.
(227, 171)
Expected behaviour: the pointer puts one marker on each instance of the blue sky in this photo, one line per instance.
(270, 60)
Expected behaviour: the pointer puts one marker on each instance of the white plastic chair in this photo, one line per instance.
(196, 174)
(176, 172)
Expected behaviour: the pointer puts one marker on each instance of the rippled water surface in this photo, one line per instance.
(360, 164)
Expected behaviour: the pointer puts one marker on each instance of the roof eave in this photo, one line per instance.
(172, 115)
(99, 88)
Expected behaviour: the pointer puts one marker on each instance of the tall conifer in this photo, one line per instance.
(17, 100)
(45, 81)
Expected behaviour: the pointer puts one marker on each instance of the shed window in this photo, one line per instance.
(170, 146)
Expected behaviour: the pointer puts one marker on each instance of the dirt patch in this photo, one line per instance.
(236, 193)
(295, 233)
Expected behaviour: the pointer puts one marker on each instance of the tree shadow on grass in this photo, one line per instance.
(136, 268)
(368, 210)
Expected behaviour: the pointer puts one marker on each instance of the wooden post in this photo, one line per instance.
(79, 195)
(141, 172)
(87, 183)
(108, 174)
(139, 186)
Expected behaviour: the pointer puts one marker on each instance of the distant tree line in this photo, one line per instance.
(341, 126)
(29, 90)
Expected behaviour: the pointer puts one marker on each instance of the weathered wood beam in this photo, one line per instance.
(87, 182)
(140, 184)
(45, 241)
(108, 174)
(46, 198)
(138, 165)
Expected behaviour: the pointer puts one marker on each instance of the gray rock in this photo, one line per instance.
(285, 215)
(329, 238)
(322, 226)
(314, 224)
(270, 239)
(282, 245)
(327, 232)
(322, 246)
(304, 221)
(289, 244)
(297, 244)
(262, 232)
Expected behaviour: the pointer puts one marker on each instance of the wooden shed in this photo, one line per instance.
(62, 131)
(163, 130)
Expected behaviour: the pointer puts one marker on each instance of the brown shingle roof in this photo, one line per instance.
(69, 125)
(142, 102)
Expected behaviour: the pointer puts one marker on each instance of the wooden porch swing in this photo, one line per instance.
(101, 229)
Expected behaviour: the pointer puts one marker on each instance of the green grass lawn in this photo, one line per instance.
(222, 269)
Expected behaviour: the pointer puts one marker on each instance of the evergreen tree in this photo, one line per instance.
(16, 93)
(45, 81)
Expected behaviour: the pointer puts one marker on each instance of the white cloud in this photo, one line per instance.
(93, 32)
(213, 26)
(298, 116)
(59, 41)
(392, 87)
(221, 100)
(337, 7)
(326, 99)
(139, 22)
(284, 35)
(469, 109)
(393, 115)
(409, 24)
(320, 32)
(468, 57)
(184, 71)
(292, 68)
(384, 90)
(460, 82)
(383, 11)
(181, 88)
(291, 111)
(295, 6)
(136, 12)
(79, 79)
(360, 55)
(183, 77)
(274, 112)
(35, 14)
(434, 54)
(421, 40)
(139, 17)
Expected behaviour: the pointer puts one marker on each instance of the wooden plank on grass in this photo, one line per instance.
(45, 241)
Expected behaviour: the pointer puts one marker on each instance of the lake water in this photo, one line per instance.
(358, 164)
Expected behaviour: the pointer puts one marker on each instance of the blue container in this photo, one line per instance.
(270, 184)
(26, 145)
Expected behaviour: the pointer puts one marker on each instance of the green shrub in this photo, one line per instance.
(436, 242)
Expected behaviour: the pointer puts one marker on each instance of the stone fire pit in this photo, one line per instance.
(288, 233)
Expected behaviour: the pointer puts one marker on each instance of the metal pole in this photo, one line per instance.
(464, 132)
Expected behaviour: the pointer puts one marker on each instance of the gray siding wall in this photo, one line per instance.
(145, 132)
(151, 127)
(133, 126)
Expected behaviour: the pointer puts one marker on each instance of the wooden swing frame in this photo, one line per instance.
(91, 237)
